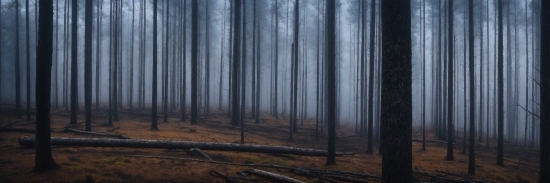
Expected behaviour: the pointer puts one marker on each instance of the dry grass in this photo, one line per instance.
(80, 164)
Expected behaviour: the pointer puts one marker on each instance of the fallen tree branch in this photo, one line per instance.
(201, 153)
(94, 133)
(164, 144)
(227, 178)
(274, 176)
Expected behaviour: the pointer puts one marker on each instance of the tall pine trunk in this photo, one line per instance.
(154, 81)
(43, 159)
(397, 92)
(88, 63)
(74, 61)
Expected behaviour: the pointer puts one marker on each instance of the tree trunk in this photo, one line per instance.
(131, 75)
(184, 75)
(17, 63)
(371, 78)
(194, 59)
(276, 64)
(544, 92)
(88, 63)
(74, 62)
(243, 73)
(43, 159)
(450, 102)
(500, 88)
(331, 79)
(98, 45)
(165, 72)
(471, 41)
(28, 66)
(236, 51)
(154, 81)
(296, 34)
(397, 92)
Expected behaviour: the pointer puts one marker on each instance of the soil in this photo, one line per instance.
(90, 164)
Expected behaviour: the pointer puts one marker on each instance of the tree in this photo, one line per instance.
(154, 87)
(74, 62)
(471, 162)
(330, 68)
(234, 77)
(28, 60)
(500, 88)
(43, 159)
(295, 87)
(88, 63)
(396, 92)
(243, 72)
(544, 92)
(184, 78)
(165, 51)
(450, 96)
(194, 59)
(17, 62)
(370, 117)
(98, 45)
(131, 88)
(276, 64)
(258, 68)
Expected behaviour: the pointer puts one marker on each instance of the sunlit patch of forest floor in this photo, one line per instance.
(81, 164)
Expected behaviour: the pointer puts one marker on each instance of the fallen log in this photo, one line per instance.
(95, 133)
(164, 144)
(274, 176)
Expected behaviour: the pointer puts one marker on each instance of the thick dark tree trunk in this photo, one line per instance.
(88, 63)
(330, 68)
(154, 81)
(74, 62)
(545, 92)
(43, 159)
(450, 96)
(396, 92)
(194, 59)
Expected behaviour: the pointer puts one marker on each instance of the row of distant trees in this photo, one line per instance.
(396, 96)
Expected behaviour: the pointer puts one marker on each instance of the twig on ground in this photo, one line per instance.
(227, 178)
(201, 153)
(273, 176)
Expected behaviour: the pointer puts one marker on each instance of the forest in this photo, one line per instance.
(275, 91)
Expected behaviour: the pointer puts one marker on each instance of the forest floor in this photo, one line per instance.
(82, 164)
